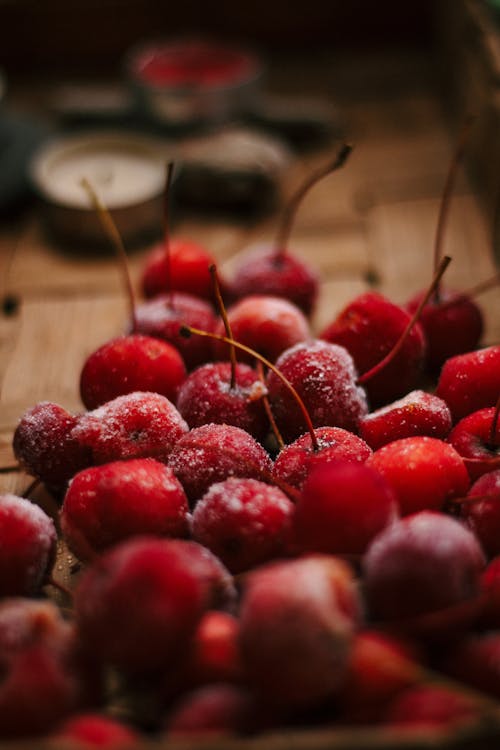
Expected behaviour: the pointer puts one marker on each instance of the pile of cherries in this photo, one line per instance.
(273, 529)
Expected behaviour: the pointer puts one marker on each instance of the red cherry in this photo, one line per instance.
(297, 627)
(131, 363)
(369, 327)
(186, 272)
(46, 448)
(471, 381)
(27, 546)
(481, 511)
(214, 452)
(261, 270)
(137, 425)
(214, 655)
(207, 396)
(244, 522)
(295, 461)
(324, 376)
(452, 324)
(472, 438)
(423, 472)
(163, 316)
(342, 507)
(417, 413)
(266, 324)
(168, 598)
(419, 565)
(107, 504)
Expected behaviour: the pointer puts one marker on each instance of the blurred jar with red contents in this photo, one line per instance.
(190, 82)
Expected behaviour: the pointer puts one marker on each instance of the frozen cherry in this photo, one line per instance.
(185, 271)
(471, 381)
(131, 363)
(296, 460)
(417, 413)
(297, 625)
(481, 511)
(27, 546)
(209, 396)
(168, 594)
(163, 316)
(213, 710)
(369, 327)
(324, 375)
(214, 452)
(107, 504)
(137, 425)
(244, 522)
(266, 324)
(424, 472)
(421, 564)
(342, 507)
(472, 437)
(45, 447)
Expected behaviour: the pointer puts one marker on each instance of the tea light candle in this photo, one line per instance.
(126, 170)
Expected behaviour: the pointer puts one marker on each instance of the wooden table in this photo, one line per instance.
(375, 218)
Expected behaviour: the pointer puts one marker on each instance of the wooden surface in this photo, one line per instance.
(376, 218)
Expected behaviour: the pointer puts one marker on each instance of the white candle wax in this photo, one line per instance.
(124, 170)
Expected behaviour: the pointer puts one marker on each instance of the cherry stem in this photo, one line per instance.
(188, 330)
(166, 231)
(227, 326)
(447, 191)
(268, 410)
(493, 441)
(114, 237)
(291, 208)
(413, 320)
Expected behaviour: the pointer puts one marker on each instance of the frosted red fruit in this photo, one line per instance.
(471, 437)
(481, 511)
(295, 461)
(421, 564)
(269, 325)
(214, 452)
(244, 522)
(87, 730)
(186, 271)
(263, 270)
(107, 504)
(213, 710)
(131, 363)
(469, 382)
(424, 472)
(432, 706)
(342, 507)
(368, 328)
(139, 604)
(137, 425)
(417, 413)
(45, 447)
(325, 377)
(40, 682)
(297, 625)
(27, 546)
(453, 325)
(163, 316)
(380, 667)
(206, 396)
